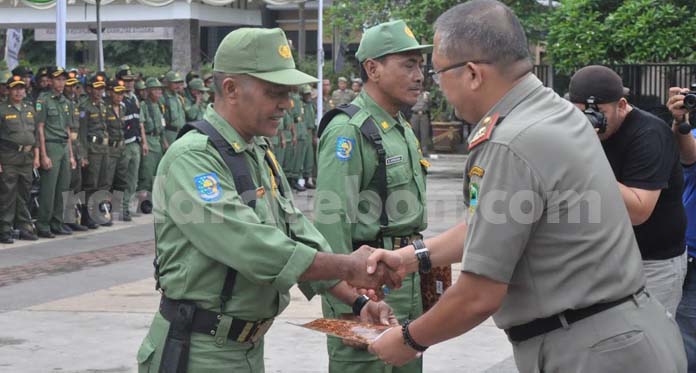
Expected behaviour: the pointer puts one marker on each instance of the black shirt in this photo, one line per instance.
(644, 155)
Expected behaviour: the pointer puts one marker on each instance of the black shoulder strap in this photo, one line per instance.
(347, 109)
(241, 174)
(371, 133)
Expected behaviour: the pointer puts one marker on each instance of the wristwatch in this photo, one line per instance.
(359, 303)
(423, 256)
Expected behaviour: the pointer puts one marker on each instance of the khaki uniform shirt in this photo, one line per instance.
(545, 214)
(342, 97)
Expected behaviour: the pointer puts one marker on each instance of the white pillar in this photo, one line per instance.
(61, 15)
(320, 60)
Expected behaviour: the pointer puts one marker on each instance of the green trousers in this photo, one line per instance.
(170, 136)
(406, 303)
(148, 165)
(421, 128)
(70, 213)
(95, 176)
(279, 152)
(304, 159)
(126, 177)
(53, 183)
(204, 355)
(15, 189)
(289, 160)
(112, 168)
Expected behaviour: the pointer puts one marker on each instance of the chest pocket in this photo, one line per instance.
(13, 122)
(398, 175)
(52, 111)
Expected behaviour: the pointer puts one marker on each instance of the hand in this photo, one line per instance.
(675, 104)
(378, 313)
(145, 148)
(294, 140)
(282, 144)
(391, 349)
(84, 162)
(36, 164)
(46, 163)
(384, 272)
(73, 164)
(315, 141)
(0, 168)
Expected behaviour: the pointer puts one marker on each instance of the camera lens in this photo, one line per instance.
(690, 101)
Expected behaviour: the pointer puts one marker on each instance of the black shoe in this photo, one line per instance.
(27, 235)
(107, 224)
(61, 232)
(6, 238)
(86, 219)
(126, 216)
(146, 207)
(296, 185)
(309, 184)
(45, 234)
(77, 227)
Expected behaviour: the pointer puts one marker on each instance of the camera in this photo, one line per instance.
(690, 105)
(596, 117)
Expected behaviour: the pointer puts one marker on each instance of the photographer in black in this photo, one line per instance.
(682, 104)
(642, 153)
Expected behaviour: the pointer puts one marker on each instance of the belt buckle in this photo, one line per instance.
(261, 330)
(26, 148)
(105, 141)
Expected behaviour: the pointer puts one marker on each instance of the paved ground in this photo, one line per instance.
(83, 303)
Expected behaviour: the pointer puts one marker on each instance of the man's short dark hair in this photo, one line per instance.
(482, 30)
(363, 73)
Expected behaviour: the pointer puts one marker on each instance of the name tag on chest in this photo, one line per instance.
(394, 160)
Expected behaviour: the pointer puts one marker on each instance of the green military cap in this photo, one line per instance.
(174, 77)
(14, 80)
(56, 72)
(4, 76)
(306, 89)
(198, 85)
(262, 53)
(124, 73)
(140, 85)
(22, 71)
(207, 77)
(342, 79)
(152, 82)
(192, 75)
(43, 71)
(388, 38)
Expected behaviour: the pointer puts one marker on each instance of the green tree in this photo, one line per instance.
(583, 32)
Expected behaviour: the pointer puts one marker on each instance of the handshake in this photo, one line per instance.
(372, 270)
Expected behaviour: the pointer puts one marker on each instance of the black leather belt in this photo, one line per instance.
(98, 140)
(16, 147)
(116, 143)
(206, 322)
(397, 241)
(538, 327)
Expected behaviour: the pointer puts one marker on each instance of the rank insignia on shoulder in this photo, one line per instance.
(208, 186)
(425, 163)
(476, 171)
(484, 132)
(344, 148)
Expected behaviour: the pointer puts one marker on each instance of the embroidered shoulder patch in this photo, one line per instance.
(208, 186)
(473, 197)
(344, 148)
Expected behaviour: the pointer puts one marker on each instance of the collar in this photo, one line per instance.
(228, 132)
(384, 121)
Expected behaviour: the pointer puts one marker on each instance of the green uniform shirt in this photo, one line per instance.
(344, 213)
(75, 127)
(92, 121)
(203, 226)
(54, 111)
(114, 122)
(17, 123)
(174, 113)
(153, 123)
(195, 112)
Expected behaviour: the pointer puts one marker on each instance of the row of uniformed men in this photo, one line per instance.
(101, 148)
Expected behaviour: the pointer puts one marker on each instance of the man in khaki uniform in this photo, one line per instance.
(548, 248)
(54, 118)
(152, 121)
(72, 212)
(260, 240)
(116, 164)
(420, 121)
(174, 107)
(343, 95)
(18, 155)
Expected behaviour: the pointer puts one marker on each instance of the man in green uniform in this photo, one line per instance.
(95, 141)
(54, 120)
(18, 155)
(420, 121)
(546, 248)
(343, 95)
(207, 322)
(153, 124)
(304, 151)
(116, 164)
(296, 114)
(327, 103)
(278, 141)
(72, 213)
(195, 108)
(174, 107)
(140, 90)
(349, 165)
(208, 80)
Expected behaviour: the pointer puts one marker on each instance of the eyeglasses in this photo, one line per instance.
(436, 74)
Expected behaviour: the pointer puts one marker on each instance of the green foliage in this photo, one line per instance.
(583, 32)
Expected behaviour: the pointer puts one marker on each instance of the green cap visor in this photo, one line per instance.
(389, 38)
